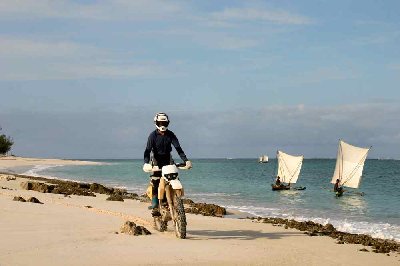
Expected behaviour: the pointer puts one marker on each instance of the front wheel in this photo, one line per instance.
(180, 218)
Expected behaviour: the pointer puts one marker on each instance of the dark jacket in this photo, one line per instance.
(161, 147)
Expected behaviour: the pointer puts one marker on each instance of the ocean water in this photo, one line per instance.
(244, 185)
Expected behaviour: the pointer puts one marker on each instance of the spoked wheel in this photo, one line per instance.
(159, 224)
(180, 222)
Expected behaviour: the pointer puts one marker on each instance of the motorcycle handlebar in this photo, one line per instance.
(181, 166)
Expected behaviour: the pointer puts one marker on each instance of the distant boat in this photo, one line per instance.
(263, 159)
(289, 167)
(349, 165)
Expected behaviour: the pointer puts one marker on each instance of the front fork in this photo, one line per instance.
(166, 189)
(172, 195)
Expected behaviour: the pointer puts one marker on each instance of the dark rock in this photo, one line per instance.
(115, 197)
(131, 228)
(88, 206)
(328, 228)
(206, 209)
(84, 185)
(72, 189)
(364, 250)
(37, 186)
(98, 188)
(144, 198)
(132, 196)
(34, 200)
(188, 201)
(311, 228)
(19, 199)
(10, 177)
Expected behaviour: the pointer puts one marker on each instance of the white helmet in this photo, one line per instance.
(161, 121)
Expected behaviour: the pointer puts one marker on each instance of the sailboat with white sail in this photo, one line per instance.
(349, 166)
(289, 167)
(263, 159)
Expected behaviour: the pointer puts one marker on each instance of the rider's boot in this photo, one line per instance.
(154, 203)
(154, 207)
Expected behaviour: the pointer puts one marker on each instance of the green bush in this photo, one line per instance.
(5, 144)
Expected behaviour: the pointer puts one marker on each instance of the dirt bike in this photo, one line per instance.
(170, 193)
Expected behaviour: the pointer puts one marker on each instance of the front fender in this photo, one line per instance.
(176, 184)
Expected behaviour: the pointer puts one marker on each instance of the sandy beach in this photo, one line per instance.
(64, 231)
(9, 162)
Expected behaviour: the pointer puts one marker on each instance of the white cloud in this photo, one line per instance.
(228, 42)
(144, 70)
(193, 23)
(300, 129)
(22, 48)
(59, 71)
(208, 38)
(257, 14)
(27, 59)
(369, 23)
(100, 10)
(380, 38)
(141, 10)
(323, 74)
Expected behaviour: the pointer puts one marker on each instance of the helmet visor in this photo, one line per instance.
(162, 123)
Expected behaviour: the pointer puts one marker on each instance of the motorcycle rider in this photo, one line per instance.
(159, 142)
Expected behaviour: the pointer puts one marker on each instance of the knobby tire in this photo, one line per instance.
(180, 226)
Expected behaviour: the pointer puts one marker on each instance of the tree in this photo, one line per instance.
(5, 144)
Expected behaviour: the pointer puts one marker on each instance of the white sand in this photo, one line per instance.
(62, 231)
(9, 162)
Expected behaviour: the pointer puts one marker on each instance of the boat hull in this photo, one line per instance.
(275, 187)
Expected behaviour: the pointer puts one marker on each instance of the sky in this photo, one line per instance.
(84, 79)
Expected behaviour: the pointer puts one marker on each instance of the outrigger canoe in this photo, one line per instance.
(289, 167)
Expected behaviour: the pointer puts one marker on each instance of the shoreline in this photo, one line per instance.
(68, 228)
(308, 227)
(232, 213)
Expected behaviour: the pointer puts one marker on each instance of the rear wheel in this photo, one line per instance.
(180, 222)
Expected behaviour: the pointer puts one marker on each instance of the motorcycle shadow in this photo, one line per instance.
(238, 234)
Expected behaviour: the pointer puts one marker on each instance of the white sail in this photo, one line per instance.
(349, 164)
(289, 167)
(263, 159)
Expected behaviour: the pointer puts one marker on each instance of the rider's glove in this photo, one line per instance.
(147, 167)
(188, 165)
